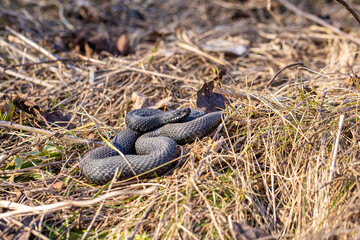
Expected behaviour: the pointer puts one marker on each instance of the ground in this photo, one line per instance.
(283, 164)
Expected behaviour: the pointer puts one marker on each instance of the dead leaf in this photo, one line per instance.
(88, 50)
(90, 41)
(122, 45)
(284, 215)
(246, 232)
(91, 136)
(216, 145)
(98, 42)
(209, 101)
(30, 107)
(61, 119)
(58, 186)
(16, 197)
(148, 102)
(26, 105)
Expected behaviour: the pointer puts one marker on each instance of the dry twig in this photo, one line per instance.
(70, 203)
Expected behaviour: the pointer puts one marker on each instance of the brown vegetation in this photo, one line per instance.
(285, 164)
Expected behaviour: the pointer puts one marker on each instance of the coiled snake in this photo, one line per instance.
(149, 142)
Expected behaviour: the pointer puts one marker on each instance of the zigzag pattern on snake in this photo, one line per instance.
(149, 143)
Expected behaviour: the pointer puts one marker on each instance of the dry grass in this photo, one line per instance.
(288, 161)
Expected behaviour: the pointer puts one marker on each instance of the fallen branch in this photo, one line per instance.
(68, 204)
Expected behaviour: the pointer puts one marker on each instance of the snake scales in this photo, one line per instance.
(149, 143)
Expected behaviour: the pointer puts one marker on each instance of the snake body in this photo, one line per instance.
(149, 143)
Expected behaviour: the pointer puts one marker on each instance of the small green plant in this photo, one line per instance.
(155, 49)
(7, 109)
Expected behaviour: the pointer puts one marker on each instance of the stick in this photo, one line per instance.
(32, 44)
(18, 51)
(336, 148)
(26, 78)
(70, 203)
(30, 57)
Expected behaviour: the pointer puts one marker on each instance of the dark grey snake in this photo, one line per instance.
(149, 143)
